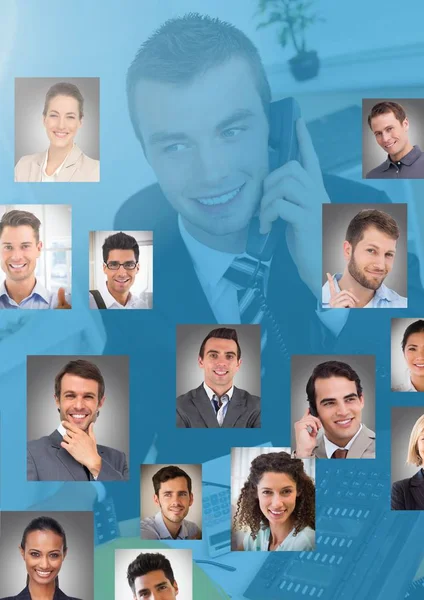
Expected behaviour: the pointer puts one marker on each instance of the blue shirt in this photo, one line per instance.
(39, 298)
(384, 297)
(154, 528)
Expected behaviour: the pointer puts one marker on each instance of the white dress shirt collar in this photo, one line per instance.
(330, 448)
(211, 393)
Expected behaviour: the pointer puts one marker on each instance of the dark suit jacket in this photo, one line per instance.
(179, 298)
(25, 595)
(408, 494)
(48, 461)
(194, 409)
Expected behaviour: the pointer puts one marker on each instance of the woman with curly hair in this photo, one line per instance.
(277, 505)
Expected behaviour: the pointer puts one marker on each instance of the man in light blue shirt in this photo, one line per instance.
(369, 251)
(173, 494)
(20, 248)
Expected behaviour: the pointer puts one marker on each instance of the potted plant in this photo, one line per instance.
(293, 17)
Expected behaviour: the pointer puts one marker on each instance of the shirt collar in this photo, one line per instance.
(164, 531)
(210, 264)
(211, 393)
(38, 289)
(407, 160)
(330, 448)
(110, 300)
(382, 293)
(61, 429)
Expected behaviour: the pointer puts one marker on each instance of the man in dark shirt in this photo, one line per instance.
(390, 126)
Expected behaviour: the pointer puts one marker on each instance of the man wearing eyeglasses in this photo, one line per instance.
(120, 265)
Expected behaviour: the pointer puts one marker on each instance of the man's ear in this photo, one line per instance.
(191, 499)
(156, 499)
(101, 402)
(347, 250)
(362, 400)
(175, 586)
(405, 124)
(200, 361)
(57, 401)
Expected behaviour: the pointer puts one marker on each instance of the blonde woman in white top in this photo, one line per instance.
(63, 161)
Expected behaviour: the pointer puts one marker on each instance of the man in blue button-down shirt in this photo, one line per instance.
(173, 495)
(369, 251)
(20, 248)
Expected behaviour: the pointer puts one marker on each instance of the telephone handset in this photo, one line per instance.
(283, 148)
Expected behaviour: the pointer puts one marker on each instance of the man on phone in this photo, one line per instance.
(211, 156)
(332, 425)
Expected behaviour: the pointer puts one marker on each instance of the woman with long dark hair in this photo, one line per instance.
(43, 548)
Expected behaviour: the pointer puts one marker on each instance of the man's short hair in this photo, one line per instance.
(223, 333)
(386, 107)
(80, 368)
(371, 218)
(186, 47)
(16, 218)
(120, 241)
(167, 473)
(325, 370)
(413, 456)
(146, 562)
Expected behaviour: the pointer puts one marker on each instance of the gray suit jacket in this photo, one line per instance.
(48, 461)
(362, 447)
(78, 167)
(194, 409)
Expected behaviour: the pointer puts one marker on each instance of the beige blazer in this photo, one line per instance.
(78, 167)
(362, 447)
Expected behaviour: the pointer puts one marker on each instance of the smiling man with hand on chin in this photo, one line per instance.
(71, 452)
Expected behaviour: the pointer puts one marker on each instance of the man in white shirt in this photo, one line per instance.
(120, 265)
(217, 402)
(331, 427)
(20, 249)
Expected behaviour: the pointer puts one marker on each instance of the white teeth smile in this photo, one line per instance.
(416, 365)
(219, 199)
(274, 512)
(44, 573)
(344, 422)
(78, 416)
(61, 135)
(17, 266)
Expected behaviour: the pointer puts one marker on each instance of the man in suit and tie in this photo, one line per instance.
(331, 427)
(71, 453)
(211, 161)
(217, 402)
